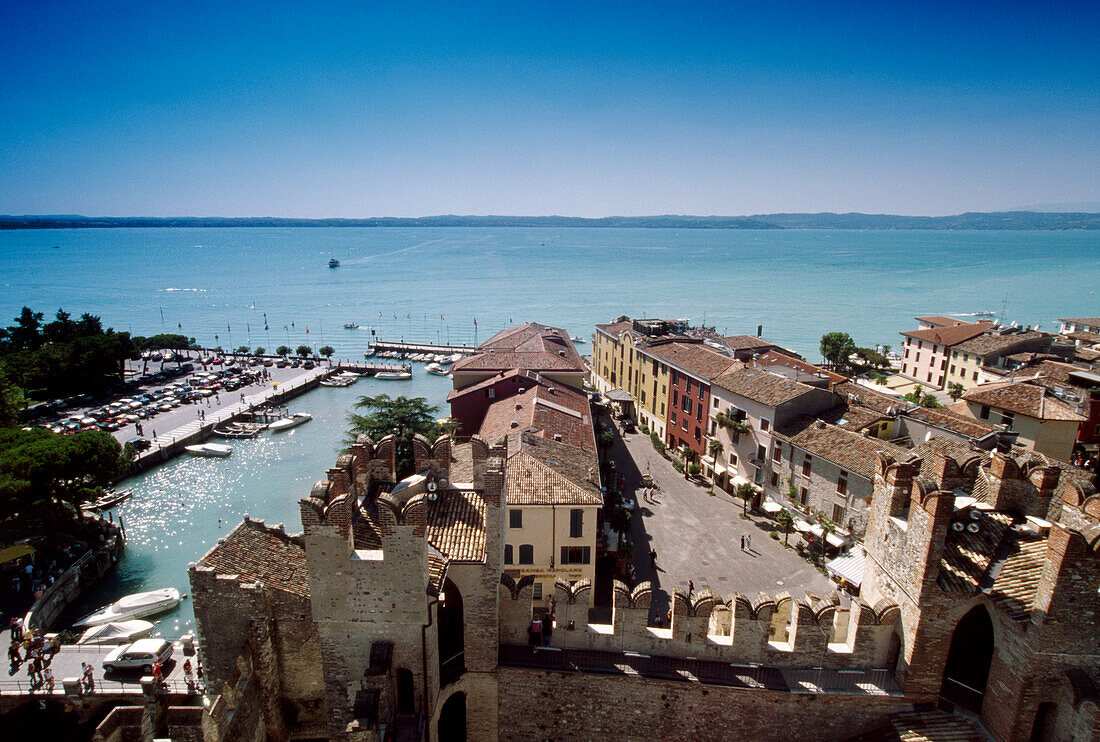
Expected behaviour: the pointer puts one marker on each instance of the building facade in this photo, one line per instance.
(926, 351)
(1041, 421)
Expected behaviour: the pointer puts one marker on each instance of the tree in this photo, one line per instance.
(26, 334)
(785, 522)
(303, 351)
(282, 350)
(827, 527)
(449, 426)
(260, 350)
(241, 350)
(836, 347)
(872, 358)
(746, 491)
(686, 454)
(403, 417)
(955, 390)
(922, 398)
(326, 351)
(12, 401)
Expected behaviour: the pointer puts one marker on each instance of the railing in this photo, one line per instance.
(962, 694)
(23, 687)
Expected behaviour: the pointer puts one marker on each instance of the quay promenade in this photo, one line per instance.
(67, 665)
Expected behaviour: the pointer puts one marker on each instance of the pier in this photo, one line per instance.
(372, 368)
(383, 346)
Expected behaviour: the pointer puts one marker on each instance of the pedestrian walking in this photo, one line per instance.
(691, 588)
(14, 657)
(748, 542)
(89, 677)
(742, 542)
(653, 556)
(189, 675)
(34, 670)
(48, 680)
(158, 674)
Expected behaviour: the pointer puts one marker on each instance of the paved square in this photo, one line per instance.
(698, 536)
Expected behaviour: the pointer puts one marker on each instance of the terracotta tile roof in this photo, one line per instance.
(948, 336)
(1087, 355)
(863, 396)
(1084, 336)
(1092, 321)
(776, 358)
(542, 407)
(845, 448)
(940, 321)
(615, 329)
(746, 342)
(1018, 579)
(529, 346)
(951, 421)
(695, 358)
(995, 345)
(254, 552)
(1060, 372)
(1023, 398)
(967, 554)
(529, 481)
(462, 463)
(456, 525)
(760, 385)
(576, 465)
(953, 447)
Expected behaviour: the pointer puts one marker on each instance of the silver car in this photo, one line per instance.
(139, 655)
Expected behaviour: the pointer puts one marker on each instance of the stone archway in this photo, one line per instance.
(452, 719)
(452, 634)
(1042, 730)
(967, 668)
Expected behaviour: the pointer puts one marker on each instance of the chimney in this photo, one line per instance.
(557, 437)
(514, 424)
(759, 330)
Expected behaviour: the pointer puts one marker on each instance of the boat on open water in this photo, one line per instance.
(292, 421)
(137, 605)
(215, 450)
(393, 375)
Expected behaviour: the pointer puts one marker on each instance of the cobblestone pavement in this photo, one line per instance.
(697, 536)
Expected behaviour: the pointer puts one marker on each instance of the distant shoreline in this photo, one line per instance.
(1004, 220)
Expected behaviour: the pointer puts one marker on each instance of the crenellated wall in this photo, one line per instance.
(735, 629)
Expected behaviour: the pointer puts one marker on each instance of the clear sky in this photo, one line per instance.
(589, 109)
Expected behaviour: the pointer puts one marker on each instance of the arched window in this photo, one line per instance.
(452, 719)
(452, 662)
(967, 668)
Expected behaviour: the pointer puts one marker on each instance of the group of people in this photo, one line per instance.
(32, 648)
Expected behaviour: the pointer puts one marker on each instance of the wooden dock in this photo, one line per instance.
(372, 368)
(382, 346)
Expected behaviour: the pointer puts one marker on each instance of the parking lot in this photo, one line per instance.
(161, 396)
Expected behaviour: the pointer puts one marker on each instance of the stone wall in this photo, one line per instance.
(536, 704)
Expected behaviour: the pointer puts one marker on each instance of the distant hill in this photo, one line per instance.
(1001, 220)
(1088, 207)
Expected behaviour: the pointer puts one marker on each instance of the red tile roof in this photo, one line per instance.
(760, 385)
(529, 346)
(775, 358)
(542, 407)
(948, 336)
(695, 358)
(1024, 399)
(940, 321)
(533, 481)
(258, 553)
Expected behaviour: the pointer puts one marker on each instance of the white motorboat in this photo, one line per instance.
(578, 339)
(287, 423)
(350, 326)
(116, 632)
(437, 369)
(137, 605)
(216, 450)
(108, 501)
(393, 375)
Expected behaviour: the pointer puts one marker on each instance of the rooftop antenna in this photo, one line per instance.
(1004, 304)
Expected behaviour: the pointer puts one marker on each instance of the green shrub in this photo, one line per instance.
(678, 465)
(658, 444)
(644, 429)
(774, 535)
(694, 469)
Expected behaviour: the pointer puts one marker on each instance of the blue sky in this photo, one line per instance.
(589, 109)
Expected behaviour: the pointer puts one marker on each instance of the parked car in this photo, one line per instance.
(138, 656)
(139, 444)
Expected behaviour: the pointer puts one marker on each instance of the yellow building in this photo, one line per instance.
(1044, 423)
(984, 359)
(620, 360)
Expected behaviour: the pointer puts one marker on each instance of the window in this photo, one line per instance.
(777, 452)
(687, 405)
(952, 371)
(984, 412)
(765, 423)
(515, 518)
(698, 434)
(526, 554)
(807, 464)
(576, 523)
(838, 513)
(687, 386)
(713, 428)
(507, 553)
(662, 408)
(733, 459)
(920, 344)
(675, 397)
(975, 376)
(701, 390)
(943, 364)
(699, 413)
(929, 377)
(842, 484)
(643, 396)
(775, 478)
(1007, 418)
(714, 402)
(536, 590)
(761, 453)
(492, 393)
(576, 554)
(672, 420)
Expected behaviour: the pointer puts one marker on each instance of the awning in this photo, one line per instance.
(618, 395)
(719, 469)
(771, 507)
(15, 552)
(849, 566)
(801, 525)
(836, 540)
(707, 461)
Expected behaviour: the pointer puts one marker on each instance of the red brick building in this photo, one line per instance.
(692, 367)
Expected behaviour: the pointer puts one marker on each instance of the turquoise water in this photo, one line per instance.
(798, 284)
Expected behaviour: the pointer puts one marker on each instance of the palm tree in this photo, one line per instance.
(786, 524)
(746, 491)
(955, 390)
(827, 527)
(715, 449)
(448, 426)
(685, 453)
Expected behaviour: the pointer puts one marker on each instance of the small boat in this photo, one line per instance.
(116, 632)
(289, 422)
(983, 314)
(393, 375)
(578, 339)
(137, 605)
(238, 430)
(368, 353)
(333, 263)
(437, 369)
(350, 326)
(215, 450)
(108, 501)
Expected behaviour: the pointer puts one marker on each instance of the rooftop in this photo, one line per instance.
(951, 421)
(776, 358)
(938, 320)
(548, 472)
(456, 525)
(529, 346)
(695, 358)
(1093, 321)
(845, 448)
(1024, 399)
(746, 342)
(949, 336)
(255, 552)
(760, 385)
(539, 406)
(992, 344)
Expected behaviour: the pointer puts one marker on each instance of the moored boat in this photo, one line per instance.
(117, 632)
(333, 263)
(393, 375)
(437, 369)
(350, 326)
(108, 501)
(137, 605)
(216, 450)
(290, 422)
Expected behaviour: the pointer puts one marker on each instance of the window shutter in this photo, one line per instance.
(587, 556)
(565, 555)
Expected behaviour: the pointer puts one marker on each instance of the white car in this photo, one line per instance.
(139, 655)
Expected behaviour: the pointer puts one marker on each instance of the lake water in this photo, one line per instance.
(432, 284)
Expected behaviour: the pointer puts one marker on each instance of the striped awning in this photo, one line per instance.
(849, 566)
